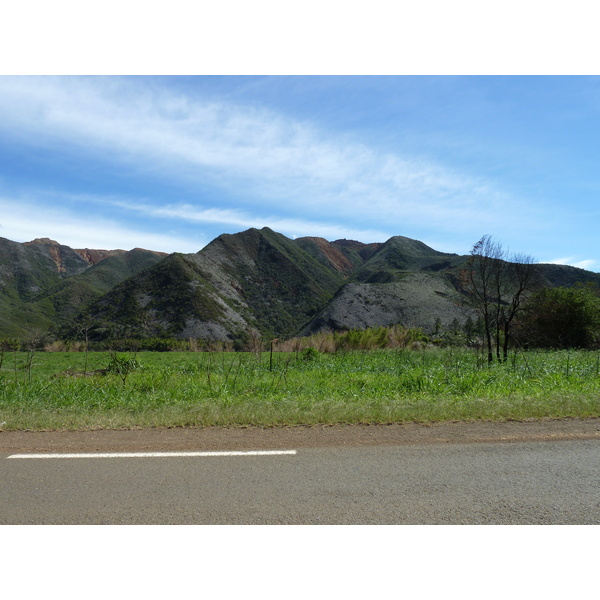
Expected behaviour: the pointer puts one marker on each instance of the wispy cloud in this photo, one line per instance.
(293, 227)
(282, 166)
(27, 221)
(575, 262)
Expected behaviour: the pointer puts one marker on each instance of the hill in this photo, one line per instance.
(257, 282)
(44, 283)
(401, 281)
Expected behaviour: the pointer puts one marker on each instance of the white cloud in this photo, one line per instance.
(235, 218)
(266, 160)
(586, 264)
(561, 261)
(574, 262)
(23, 221)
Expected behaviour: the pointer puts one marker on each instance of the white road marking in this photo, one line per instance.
(155, 454)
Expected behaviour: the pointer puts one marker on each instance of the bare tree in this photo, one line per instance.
(479, 280)
(524, 277)
(497, 283)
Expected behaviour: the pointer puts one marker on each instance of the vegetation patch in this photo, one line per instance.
(148, 389)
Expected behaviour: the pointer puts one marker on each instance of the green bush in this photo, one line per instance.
(309, 354)
(561, 318)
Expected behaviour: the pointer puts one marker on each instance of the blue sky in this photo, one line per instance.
(169, 163)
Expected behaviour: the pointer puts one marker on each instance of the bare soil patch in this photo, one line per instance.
(253, 438)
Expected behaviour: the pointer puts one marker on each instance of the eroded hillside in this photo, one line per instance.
(256, 282)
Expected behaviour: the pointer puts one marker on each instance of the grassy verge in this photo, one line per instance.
(228, 389)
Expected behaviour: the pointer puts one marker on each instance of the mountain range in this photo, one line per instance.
(256, 281)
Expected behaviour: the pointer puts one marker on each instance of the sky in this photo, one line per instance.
(169, 163)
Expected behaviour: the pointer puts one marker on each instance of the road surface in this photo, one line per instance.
(537, 473)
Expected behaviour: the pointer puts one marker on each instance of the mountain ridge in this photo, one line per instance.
(253, 283)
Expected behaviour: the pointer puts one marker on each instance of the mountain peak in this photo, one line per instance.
(42, 241)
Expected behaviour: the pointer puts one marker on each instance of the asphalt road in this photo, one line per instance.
(532, 482)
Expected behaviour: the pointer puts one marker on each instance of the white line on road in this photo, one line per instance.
(156, 454)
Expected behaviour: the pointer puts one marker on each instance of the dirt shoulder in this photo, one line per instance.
(253, 438)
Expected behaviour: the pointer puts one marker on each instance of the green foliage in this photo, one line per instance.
(370, 338)
(9, 344)
(145, 345)
(309, 354)
(562, 318)
(122, 365)
(242, 341)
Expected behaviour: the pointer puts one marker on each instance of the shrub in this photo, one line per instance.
(122, 365)
(309, 354)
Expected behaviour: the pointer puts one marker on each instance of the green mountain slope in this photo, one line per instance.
(43, 283)
(256, 280)
(281, 283)
(405, 281)
(400, 255)
(158, 302)
(71, 294)
(27, 272)
(333, 257)
(401, 281)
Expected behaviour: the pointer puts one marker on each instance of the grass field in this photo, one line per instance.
(237, 389)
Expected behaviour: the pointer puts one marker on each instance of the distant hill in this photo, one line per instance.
(43, 284)
(343, 256)
(253, 282)
(401, 281)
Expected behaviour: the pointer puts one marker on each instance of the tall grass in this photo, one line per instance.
(299, 387)
(371, 338)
